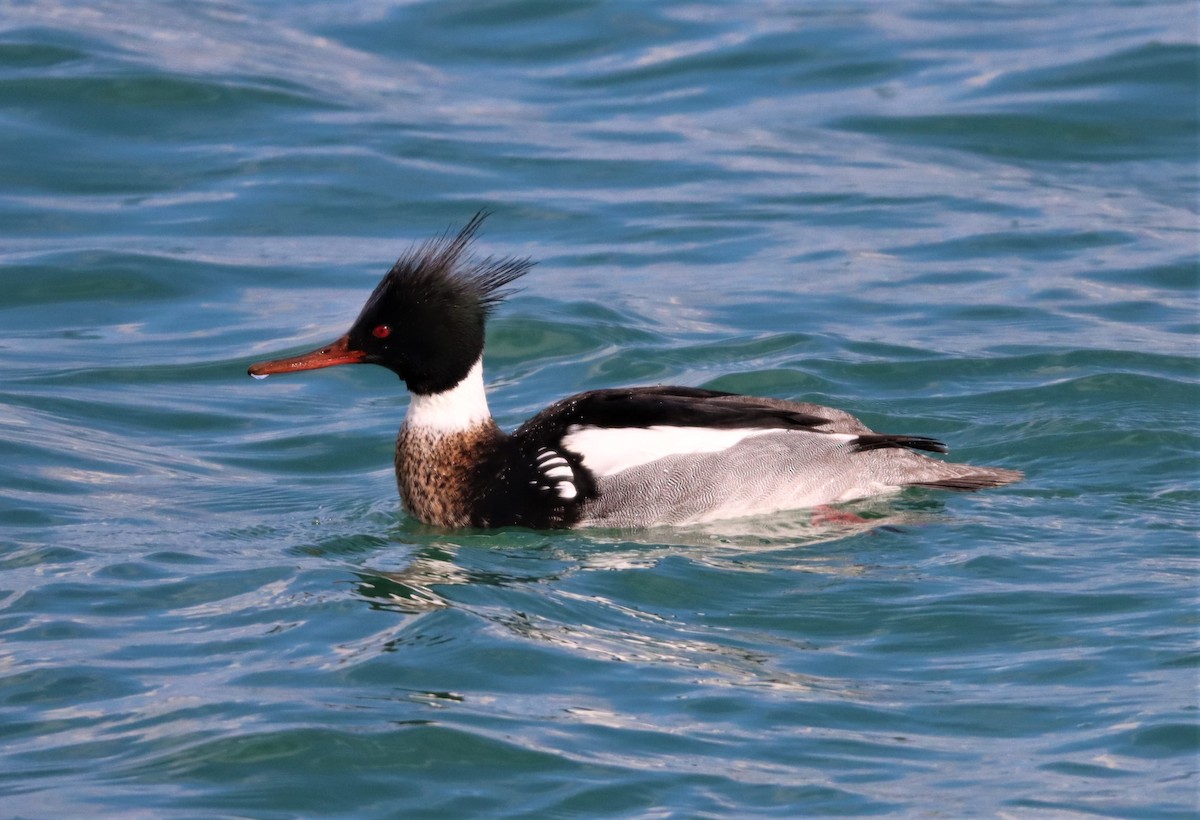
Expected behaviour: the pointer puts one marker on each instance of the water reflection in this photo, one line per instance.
(594, 627)
(758, 544)
(412, 590)
(537, 588)
(734, 544)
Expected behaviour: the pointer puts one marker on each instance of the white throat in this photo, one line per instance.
(462, 407)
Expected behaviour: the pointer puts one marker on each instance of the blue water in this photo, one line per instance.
(971, 220)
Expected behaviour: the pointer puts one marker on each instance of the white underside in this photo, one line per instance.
(460, 408)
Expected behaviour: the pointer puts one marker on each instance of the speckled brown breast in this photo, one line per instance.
(435, 471)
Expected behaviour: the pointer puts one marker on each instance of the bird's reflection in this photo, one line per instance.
(499, 587)
(758, 544)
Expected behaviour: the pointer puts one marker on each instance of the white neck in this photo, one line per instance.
(462, 407)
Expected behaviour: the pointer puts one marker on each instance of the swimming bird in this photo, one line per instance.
(624, 457)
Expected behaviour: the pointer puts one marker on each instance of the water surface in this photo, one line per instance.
(975, 221)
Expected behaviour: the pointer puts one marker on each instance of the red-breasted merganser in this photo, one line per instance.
(630, 457)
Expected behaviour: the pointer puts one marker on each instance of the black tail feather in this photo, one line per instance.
(881, 441)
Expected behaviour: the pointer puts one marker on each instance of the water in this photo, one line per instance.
(975, 221)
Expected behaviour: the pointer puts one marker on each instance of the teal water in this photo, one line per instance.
(976, 221)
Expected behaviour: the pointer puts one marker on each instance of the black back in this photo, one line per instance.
(665, 406)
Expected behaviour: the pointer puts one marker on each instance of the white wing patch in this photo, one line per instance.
(557, 472)
(609, 450)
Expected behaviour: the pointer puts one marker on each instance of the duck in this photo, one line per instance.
(627, 457)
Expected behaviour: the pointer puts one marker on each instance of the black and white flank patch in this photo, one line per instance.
(555, 474)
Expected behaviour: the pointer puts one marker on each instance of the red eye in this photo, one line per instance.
(381, 332)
